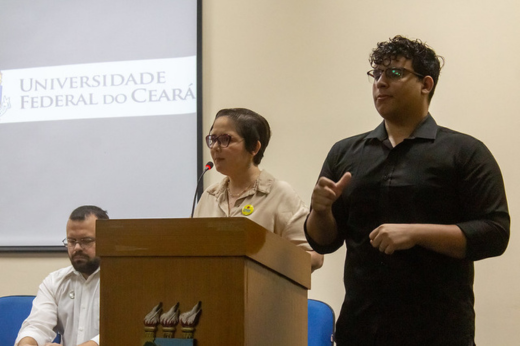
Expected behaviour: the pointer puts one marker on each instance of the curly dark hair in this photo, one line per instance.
(424, 59)
(251, 126)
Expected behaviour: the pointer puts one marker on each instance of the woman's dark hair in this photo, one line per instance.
(81, 213)
(251, 126)
(424, 59)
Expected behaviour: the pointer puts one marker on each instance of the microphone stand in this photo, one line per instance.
(208, 166)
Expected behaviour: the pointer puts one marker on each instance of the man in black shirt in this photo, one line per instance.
(416, 204)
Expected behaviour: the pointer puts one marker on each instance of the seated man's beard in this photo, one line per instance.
(87, 267)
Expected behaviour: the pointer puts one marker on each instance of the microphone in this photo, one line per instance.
(208, 166)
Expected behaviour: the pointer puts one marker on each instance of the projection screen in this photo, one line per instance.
(99, 105)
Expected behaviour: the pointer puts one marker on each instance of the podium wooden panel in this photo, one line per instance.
(252, 283)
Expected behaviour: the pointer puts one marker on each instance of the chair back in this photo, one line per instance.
(320, 323)
(13, 311)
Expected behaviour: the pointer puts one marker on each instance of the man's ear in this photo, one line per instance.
(428, 84)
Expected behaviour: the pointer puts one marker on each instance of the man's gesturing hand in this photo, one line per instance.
(326, 192)
(389, 238)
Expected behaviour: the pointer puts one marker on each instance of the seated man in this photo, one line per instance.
(68, 299)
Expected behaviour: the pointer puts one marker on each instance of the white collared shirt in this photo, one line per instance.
(66, 303)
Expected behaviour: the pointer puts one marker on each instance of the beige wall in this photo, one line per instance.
(302, 64)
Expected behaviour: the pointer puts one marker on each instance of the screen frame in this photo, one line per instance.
(60, 249)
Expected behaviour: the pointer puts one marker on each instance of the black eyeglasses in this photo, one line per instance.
(391, 73)
(223, 140)
(84, 243)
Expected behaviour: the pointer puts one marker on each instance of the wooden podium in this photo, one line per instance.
(251, 283)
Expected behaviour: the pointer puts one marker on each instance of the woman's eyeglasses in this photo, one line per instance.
(223, 140)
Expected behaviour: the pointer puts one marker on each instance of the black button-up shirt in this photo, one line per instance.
(436, 176)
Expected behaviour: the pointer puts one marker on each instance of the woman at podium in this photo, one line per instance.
(237, 141)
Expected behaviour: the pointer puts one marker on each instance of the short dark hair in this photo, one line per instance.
(251, 126)
(81, 213)
(424, 59)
